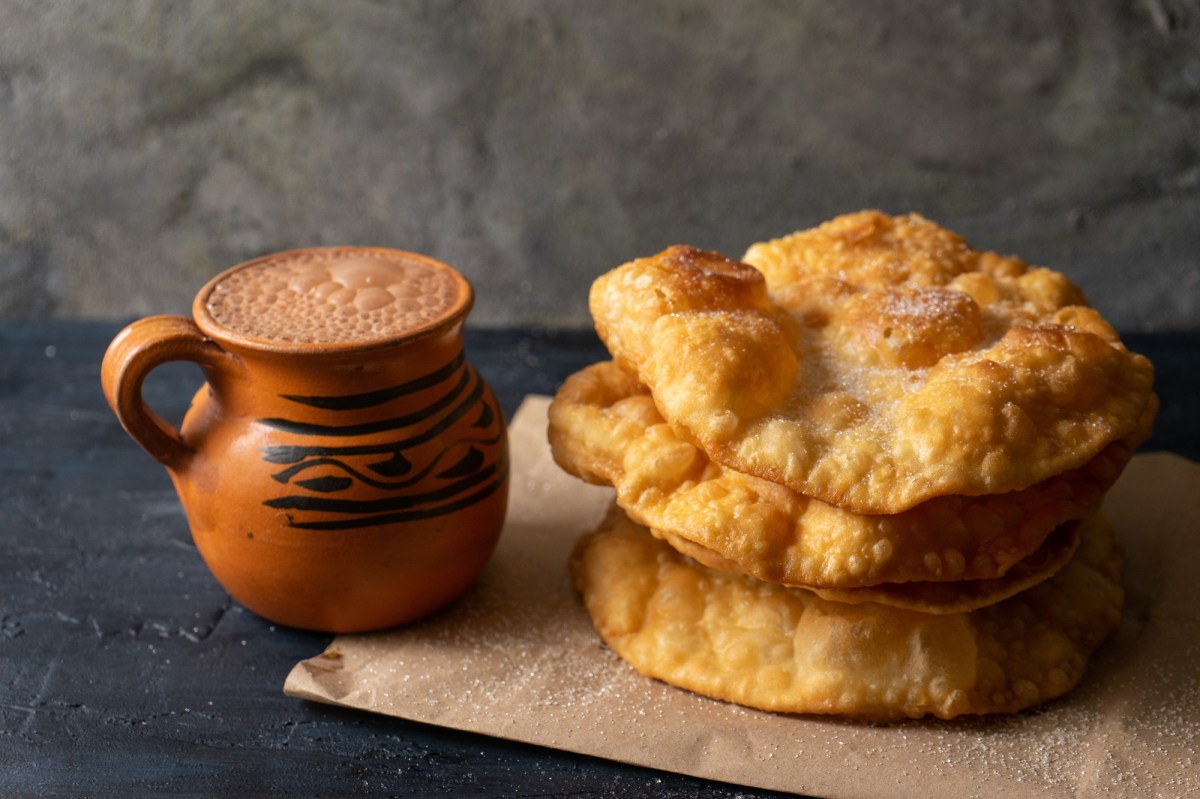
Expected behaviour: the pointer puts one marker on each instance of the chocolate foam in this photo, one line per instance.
(335, 295)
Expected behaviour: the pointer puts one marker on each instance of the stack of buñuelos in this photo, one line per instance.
(857, 472)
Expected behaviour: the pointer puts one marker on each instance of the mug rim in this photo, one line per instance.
(218, 331)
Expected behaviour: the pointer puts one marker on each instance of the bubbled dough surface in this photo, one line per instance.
(334, 295)
(875, 362)
(605, 428)
(781, 649)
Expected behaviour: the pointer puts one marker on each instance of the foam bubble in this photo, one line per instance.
(334, 295)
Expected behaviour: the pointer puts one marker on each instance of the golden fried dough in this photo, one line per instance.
(734, 638)
(875, 362)
(605, 428)
(701, 282)
(957, 596)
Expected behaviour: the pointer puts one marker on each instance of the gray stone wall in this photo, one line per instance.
(144, 146)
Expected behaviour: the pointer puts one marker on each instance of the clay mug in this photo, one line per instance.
(343, 468)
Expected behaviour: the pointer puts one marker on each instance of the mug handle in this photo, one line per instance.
(133, 354)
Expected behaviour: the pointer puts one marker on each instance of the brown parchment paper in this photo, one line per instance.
(517, 658)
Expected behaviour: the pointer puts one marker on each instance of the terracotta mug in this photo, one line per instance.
(343, 468)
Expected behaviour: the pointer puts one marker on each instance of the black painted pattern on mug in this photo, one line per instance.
(405, 483)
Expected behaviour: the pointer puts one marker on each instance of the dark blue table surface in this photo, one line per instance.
(125, 670)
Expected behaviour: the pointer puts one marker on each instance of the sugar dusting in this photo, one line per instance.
(333, 295)
(928, 305)
(1131, 728)
(515, 668)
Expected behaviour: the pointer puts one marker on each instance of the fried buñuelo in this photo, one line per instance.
(874, 362)
(766, 646)
(955, 596)
(605, 428)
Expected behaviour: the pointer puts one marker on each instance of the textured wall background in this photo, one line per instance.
(144, 146)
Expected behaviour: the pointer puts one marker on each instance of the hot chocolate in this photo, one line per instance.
(335, 295)
(344, 467)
